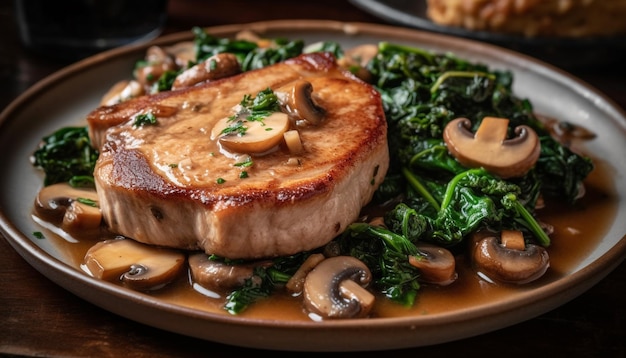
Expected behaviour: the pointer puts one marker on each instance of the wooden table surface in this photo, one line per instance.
(39, 318)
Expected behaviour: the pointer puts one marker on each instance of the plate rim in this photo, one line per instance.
(394, 14)
(63, 274)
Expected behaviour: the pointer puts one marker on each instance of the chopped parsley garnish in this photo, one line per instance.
(82, 181)
(38, 235)
(252, 109)
(88, 202)
(212, 64)
(165, 82)
(235, 127)
(220, 180)
(246, 163)
(145, 119)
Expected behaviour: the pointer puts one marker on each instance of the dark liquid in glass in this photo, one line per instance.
(79, 28)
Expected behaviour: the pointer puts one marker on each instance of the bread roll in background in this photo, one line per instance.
(533, 18)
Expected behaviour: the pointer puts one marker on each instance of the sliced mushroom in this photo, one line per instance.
(436, 264)
(257, 136)
(296, 282)
(138, 266)
(356, 59)
(122, 91)
(566, 132)
(215, 67)
(158, 62)
(509, 259)
(297, 99)
(219, 276)
(184, 52)
(336, 288)
(82, 216)
(75, 209)
(490, 149)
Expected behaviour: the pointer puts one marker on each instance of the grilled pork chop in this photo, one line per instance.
(171, 184)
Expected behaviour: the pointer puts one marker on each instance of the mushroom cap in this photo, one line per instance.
(297, 100)
(260, 135)
(500, 263)
(436, 264)
(219, 276)
(136, 265)
(335, 288)
(295, 284)
(490, 149)
(67, 206)
(80, 217)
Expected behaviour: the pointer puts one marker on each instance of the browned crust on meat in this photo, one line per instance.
(203, 214)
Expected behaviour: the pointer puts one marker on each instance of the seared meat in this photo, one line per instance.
(170, 184)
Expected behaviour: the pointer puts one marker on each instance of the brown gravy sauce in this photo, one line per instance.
(577, 231)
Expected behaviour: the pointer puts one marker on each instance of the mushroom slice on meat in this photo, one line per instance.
(436, 264)
(260, 135)
(219, 276)
(336, 288)
(489, 148)
(75, 209)
(298, 101)
(136, 265)
(508, 259)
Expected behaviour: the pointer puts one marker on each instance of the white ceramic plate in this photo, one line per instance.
(67, 96)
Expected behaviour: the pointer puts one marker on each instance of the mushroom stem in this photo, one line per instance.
(355, 292)
(489, 148)
(510, 260)
(293, 141)
(327, 293)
